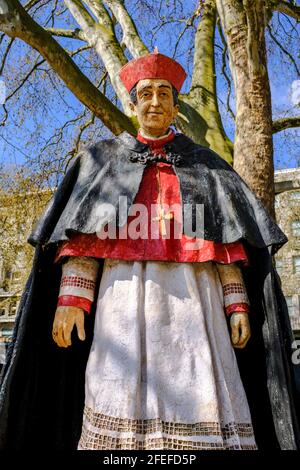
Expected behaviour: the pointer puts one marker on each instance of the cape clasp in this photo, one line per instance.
(147, 157)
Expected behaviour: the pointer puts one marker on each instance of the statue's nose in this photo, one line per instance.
(155, 101)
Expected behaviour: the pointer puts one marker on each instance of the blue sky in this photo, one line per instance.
(40, 110)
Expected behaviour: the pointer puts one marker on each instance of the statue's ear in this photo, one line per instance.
(132, 108)
(175, 110)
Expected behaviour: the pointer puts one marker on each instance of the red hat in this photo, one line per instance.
(153, 65)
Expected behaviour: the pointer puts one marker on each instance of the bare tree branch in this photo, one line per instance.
(14, 146)
(80, 49)
(79, 12)
(202, 96)
(131, 38)
(201, 50)
(224, 52)
(189, 24)
(31, 4)
(36, 65)
(53, 13)
(58, 135)
(15, 22)
(284, 50)
(287, 8)
(5, 55)
(71, 154)
(291, 24)
(3, 122)
(67, 33)
(287, 33)
(285, 123)
(39, 5)
(101, 13)
(102, 37)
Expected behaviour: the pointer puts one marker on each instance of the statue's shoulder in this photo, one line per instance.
(200, 153)
(100, 152)
(103, 145)
(116, 146)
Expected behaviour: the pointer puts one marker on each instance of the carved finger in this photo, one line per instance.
(54, 335)
(235, 334)
(68, 326)
(245, 334)
(60, 337)
(80, 327)
(244, 340)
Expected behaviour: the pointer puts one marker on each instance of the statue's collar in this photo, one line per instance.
(179, 144)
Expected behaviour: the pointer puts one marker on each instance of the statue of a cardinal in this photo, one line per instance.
(153, 317)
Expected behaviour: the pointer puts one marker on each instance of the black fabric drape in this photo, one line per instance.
(268, 374)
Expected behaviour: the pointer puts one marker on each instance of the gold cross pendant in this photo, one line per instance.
(161, 218)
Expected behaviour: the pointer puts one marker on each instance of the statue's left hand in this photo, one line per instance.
(240, 329)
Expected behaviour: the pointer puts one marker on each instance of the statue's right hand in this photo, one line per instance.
(64, 321)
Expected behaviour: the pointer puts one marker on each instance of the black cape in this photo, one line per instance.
(42, 386)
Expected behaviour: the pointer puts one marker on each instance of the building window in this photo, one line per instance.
(290, 306)
(2, 312)
(279, 266)
(296, 263)
(296, 228)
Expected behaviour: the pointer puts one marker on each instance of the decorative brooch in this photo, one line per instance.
(148, 157)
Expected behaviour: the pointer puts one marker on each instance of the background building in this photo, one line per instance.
(18, 213)
(287, 204)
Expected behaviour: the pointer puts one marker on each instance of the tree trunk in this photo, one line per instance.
(244, 25)
(200, 118)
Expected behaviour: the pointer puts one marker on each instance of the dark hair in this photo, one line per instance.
(133, 95)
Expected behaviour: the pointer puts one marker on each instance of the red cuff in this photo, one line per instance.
(239, 307)
(74, 301)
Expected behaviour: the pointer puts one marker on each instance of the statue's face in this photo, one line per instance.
(155, 108)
